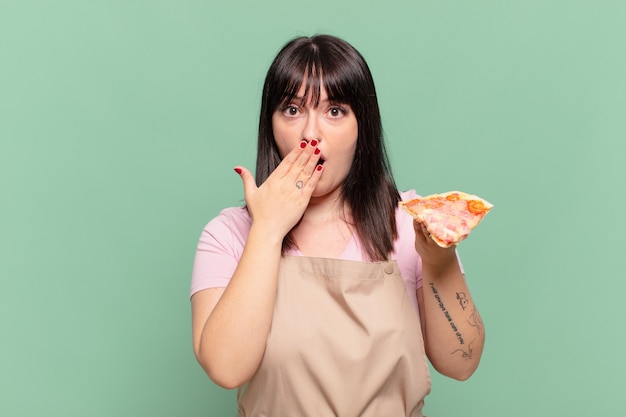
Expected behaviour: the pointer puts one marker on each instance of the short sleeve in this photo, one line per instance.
(219, 249)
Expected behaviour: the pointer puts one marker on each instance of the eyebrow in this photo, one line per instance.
(300, 99)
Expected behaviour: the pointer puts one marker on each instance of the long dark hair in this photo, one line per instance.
(369, 189)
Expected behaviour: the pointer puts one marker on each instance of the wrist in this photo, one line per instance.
(266, 235)
(441, 265)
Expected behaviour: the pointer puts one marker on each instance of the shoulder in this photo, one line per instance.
(219, 248)
(402, 217)
(234, 214)
(236, 220)
(409, 195)
(227, 231)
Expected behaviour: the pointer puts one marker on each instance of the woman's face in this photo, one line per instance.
(333, 125)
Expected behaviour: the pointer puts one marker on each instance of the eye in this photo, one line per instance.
(336, 112)
(290, 110)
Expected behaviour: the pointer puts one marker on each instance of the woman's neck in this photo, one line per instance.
(327, 209)
(325, 229)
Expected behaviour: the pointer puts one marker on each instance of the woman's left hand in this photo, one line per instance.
(430, 252)
(456, 351)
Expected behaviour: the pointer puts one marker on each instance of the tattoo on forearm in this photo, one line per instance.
(466, 353)
(476, 321)
(462, 299)
(447, 314)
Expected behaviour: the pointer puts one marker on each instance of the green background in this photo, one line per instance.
(121, 121)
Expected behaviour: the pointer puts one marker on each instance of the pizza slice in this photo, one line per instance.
(448, 217)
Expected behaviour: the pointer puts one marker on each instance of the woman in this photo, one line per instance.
(321, 297)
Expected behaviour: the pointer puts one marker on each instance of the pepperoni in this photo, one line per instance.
(476, 207)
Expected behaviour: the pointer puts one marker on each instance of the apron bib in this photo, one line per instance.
(345, 341)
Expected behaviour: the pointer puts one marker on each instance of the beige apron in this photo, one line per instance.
(345, 341)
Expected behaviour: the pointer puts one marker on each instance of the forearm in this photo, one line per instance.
(233, 339)
(454, 332)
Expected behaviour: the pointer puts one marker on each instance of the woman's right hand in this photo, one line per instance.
(279, 203)
(231, 325)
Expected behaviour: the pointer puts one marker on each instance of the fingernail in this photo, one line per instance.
(302, 145)
(319, 167)
(317, 151)
(313, 142)
(238, 170)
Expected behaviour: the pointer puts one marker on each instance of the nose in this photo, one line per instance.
(310, 129)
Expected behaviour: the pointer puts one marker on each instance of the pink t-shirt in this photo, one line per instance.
(222, 241)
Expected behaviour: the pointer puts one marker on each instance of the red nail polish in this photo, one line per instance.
(302, 145)
(319, 168)
(313, 142)
(238, 170)
(317, 151)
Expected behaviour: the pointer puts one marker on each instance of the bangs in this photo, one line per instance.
(312, 69)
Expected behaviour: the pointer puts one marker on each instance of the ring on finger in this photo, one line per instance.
(299, 184)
